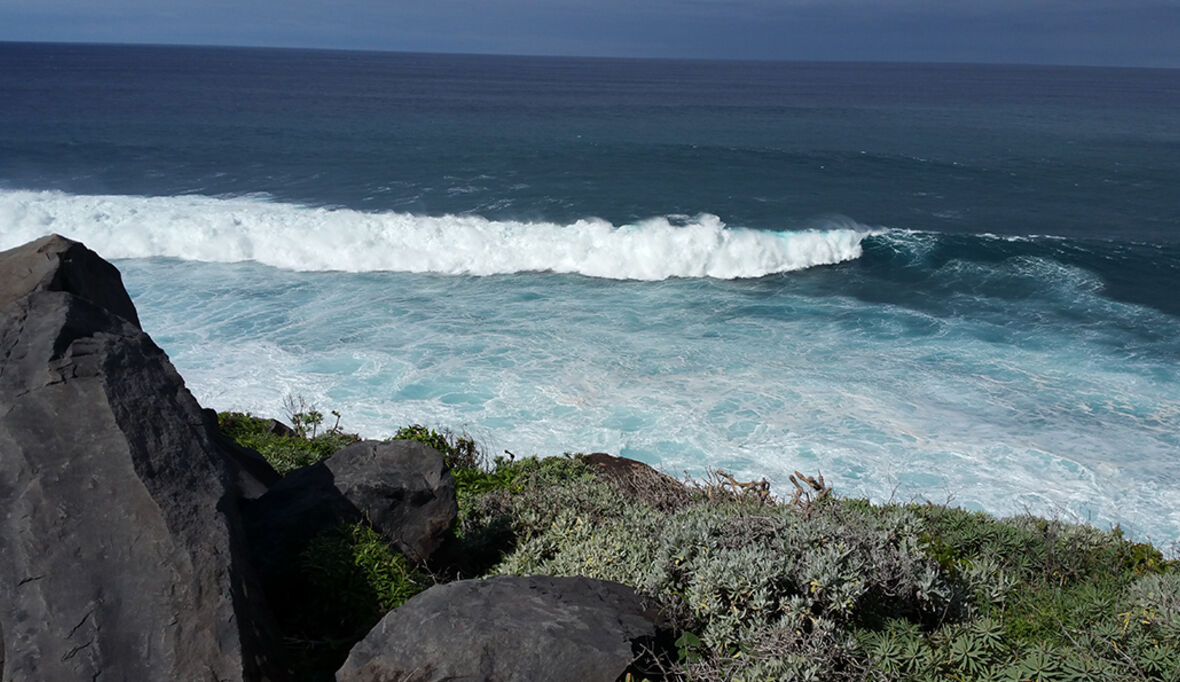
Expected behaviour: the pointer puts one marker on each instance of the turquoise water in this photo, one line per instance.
(929, 282)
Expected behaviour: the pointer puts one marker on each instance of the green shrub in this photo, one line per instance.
(459, 452)
(767, 590)
(848, 590)
(473, 482)
(362, 576)
(488, 528)
(758, 590)
(345, 580)
(284, 453)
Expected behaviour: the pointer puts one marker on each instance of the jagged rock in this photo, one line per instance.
(506, 628)
(255, 474)
(639, 481)
(401, 487)
(54, 263)
(122, 553)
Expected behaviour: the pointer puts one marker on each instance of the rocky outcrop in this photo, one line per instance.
(122, 551)
(639, 481)
(132, 533)
(506, 628)
(54, 263)
(402, 488)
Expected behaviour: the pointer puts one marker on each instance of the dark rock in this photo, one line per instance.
(255, 474)
(506, 628)
(640, 482)
(122, 553)
(278, 428)
(401, 487)
(54, 263)
(293, 511)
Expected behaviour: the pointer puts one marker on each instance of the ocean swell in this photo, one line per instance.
(310, 239)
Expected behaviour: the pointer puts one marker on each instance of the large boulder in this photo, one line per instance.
(255, 474)
(122, 551)
(507, 628)
(402, 488)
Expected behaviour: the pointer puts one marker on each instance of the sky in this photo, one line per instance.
(1089, 32)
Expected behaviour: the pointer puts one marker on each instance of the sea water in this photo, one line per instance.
(930, 282)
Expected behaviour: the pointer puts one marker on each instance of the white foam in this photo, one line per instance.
(310, 239)
(757, 380)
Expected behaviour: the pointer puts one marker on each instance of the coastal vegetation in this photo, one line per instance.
(285, 449)
(751, 587)
(244, 574)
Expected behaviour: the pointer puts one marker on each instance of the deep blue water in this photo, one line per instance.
(928, 281)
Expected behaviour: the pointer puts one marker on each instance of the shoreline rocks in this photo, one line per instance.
(401, 488)
(135, 538)
(122, 552)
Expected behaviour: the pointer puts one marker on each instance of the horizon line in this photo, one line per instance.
(739, 60)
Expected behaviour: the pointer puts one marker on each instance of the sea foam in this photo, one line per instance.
(309, 239)
(999, 404)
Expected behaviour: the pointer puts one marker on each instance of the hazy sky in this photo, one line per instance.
(1104, 32)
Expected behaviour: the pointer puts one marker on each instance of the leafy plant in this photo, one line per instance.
(285, 452)
(688, 648)
(345, 580)
(459, 452)
(360, 571)
(755, 589)
(847, 590)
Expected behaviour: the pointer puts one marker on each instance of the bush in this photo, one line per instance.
(459, 452)
(827, 589)
(284, 452)
(764, 590)
(345, 580)
(487, 529)
(359, 575)
(848, 590)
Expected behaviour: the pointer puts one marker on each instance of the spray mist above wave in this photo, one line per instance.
(302, 238)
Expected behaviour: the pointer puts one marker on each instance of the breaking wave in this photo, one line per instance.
(309, 239)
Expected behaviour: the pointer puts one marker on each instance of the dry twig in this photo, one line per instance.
(803, 495)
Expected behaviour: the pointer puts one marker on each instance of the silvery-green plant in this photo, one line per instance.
(774, 582)
(847, 590)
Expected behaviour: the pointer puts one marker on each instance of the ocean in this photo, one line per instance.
(955, 283)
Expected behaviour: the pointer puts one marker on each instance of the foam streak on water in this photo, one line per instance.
(308, 239)
(1002, 407)
(508, 245)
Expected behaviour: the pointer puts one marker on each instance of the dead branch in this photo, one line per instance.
(818, 489)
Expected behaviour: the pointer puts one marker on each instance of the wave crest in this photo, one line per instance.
(304, 238)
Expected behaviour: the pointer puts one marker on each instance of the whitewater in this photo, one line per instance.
(649, 258)
(229, 230)
(665, 341)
